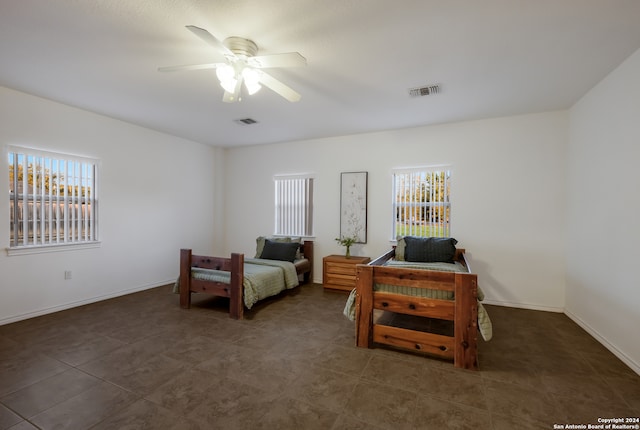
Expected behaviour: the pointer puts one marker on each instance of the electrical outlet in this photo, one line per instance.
(67, 274)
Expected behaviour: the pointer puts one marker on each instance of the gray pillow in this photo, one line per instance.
(284, 251)
(430, 249)
(260, 243)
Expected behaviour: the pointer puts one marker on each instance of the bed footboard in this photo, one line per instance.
(233, 290)
(463, 312)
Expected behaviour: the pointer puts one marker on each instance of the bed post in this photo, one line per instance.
(466, 322)
(364, 305)
(236, 303)
(185, 278)
(307, 250)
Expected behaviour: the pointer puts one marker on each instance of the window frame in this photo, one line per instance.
(443, 227)
(63, 202)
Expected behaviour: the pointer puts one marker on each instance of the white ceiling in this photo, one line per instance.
(490, 57)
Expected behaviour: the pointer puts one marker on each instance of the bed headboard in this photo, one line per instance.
(306, 247)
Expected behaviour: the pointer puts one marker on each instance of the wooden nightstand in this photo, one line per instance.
(339, 272)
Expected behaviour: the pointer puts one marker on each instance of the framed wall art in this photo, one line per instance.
(353, 206)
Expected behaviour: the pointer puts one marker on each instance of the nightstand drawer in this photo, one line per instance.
(341, 268)
(337, 279)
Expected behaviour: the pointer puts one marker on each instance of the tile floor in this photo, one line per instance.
(141, 362)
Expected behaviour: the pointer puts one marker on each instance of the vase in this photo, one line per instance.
(348, 253)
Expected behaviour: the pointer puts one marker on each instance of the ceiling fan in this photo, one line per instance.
(242, 65)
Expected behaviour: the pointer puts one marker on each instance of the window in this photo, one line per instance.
(52, 199)
(294, 205)
(421, 204)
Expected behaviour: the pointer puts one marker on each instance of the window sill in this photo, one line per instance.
(39, 249)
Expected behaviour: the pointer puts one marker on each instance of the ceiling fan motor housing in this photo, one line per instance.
(241, 47)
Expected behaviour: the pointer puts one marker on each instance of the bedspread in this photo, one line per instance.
(262, 281)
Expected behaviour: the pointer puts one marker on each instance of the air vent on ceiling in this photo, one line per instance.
(424, 91)
(245, 121)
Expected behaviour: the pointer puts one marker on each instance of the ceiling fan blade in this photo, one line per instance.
(288, 59)
(278, 87)
(210, 39)
(189, 67)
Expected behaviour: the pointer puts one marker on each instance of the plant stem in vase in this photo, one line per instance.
(347, 242)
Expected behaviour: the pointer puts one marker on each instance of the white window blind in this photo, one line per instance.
(294, 205)
(52, 198)
(421, 202)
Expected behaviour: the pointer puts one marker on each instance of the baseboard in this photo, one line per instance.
(594, 333)
(523, 306)
(614, 350)
(45, 311)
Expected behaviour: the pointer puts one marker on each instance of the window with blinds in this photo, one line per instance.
(294, 205)
(421, 202)
(52, 198)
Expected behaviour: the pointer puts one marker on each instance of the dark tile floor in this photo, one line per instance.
(141, 362)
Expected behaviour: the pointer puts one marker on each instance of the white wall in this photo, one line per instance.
(148, 182)
(508, 201)
(603, 230)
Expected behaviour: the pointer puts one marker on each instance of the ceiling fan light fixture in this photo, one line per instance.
(227, 76)
(229, 85)
(243, 65)
(251, 80)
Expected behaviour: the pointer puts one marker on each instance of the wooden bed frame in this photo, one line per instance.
(233, 290)
(462, 347)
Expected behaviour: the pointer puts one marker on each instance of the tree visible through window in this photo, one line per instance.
(421, 205)
(52, 198)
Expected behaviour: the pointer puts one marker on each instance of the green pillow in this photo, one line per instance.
(400, 246)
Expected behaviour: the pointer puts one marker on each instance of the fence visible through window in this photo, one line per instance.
(52, 198)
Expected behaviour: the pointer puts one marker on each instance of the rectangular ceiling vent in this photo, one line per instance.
(424, 91)
(245, 121)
